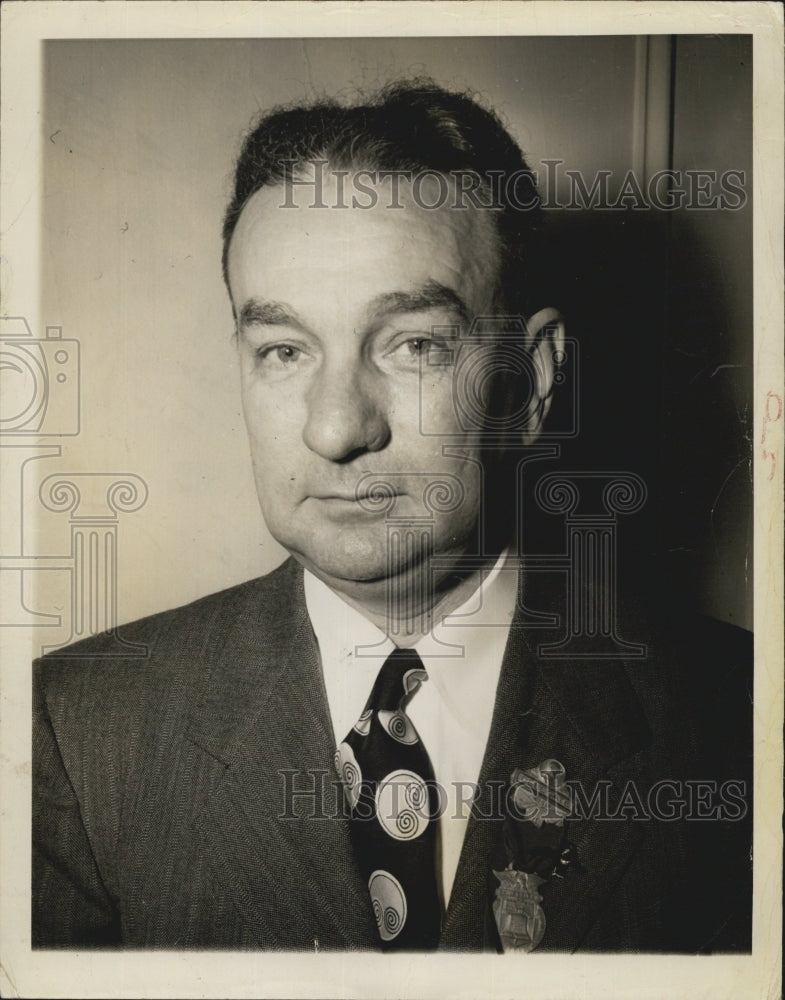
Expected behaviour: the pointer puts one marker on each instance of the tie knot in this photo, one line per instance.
(400, 676)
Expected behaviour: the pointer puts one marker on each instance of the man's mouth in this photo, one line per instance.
(370, 497)
(366, 499)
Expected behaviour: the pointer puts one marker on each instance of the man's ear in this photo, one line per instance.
(546, 350)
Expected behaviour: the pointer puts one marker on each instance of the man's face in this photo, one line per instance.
(335, 307)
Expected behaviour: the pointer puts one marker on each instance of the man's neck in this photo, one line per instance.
(409, 605)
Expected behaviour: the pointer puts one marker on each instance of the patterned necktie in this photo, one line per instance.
(390, 791)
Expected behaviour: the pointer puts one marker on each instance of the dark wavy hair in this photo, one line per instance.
(410, 125)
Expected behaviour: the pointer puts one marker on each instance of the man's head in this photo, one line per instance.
(413, 126)
(356, 263)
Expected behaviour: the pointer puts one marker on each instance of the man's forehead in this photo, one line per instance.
(322, 232)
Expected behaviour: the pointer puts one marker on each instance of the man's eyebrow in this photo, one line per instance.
(431, 295)
(260, 312)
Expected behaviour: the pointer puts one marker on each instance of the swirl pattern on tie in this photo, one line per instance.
(393, 805)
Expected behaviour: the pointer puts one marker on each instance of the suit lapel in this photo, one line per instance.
(261, 725)
(586, 715)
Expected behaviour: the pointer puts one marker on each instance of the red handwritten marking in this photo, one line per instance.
(770, 417)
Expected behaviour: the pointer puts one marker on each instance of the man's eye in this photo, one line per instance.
(279, 356)
(431, 351)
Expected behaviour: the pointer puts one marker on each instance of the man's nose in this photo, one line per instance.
(346, 414)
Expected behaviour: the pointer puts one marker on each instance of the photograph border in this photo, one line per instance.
(270, 974)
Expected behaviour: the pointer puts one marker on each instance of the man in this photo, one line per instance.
(251, 783)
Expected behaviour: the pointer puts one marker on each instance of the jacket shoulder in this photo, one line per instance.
(173, 644)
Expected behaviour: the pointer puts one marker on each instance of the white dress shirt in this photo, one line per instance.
(452, 710)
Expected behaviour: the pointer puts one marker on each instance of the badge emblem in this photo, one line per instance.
(517, 910)
(540, 794)
(531, 849)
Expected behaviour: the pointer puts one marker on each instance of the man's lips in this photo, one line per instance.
(370, 496)
(372, 490)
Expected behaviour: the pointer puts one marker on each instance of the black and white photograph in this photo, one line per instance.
(391, 435)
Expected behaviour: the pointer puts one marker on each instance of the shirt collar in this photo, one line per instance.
(455, 653)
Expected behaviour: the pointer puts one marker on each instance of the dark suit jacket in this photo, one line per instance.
(161, 816)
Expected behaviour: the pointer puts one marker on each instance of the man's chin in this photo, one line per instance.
(360, 558)
(362, 561)
(341, 568)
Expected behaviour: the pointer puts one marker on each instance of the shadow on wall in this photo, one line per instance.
(665, 392)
